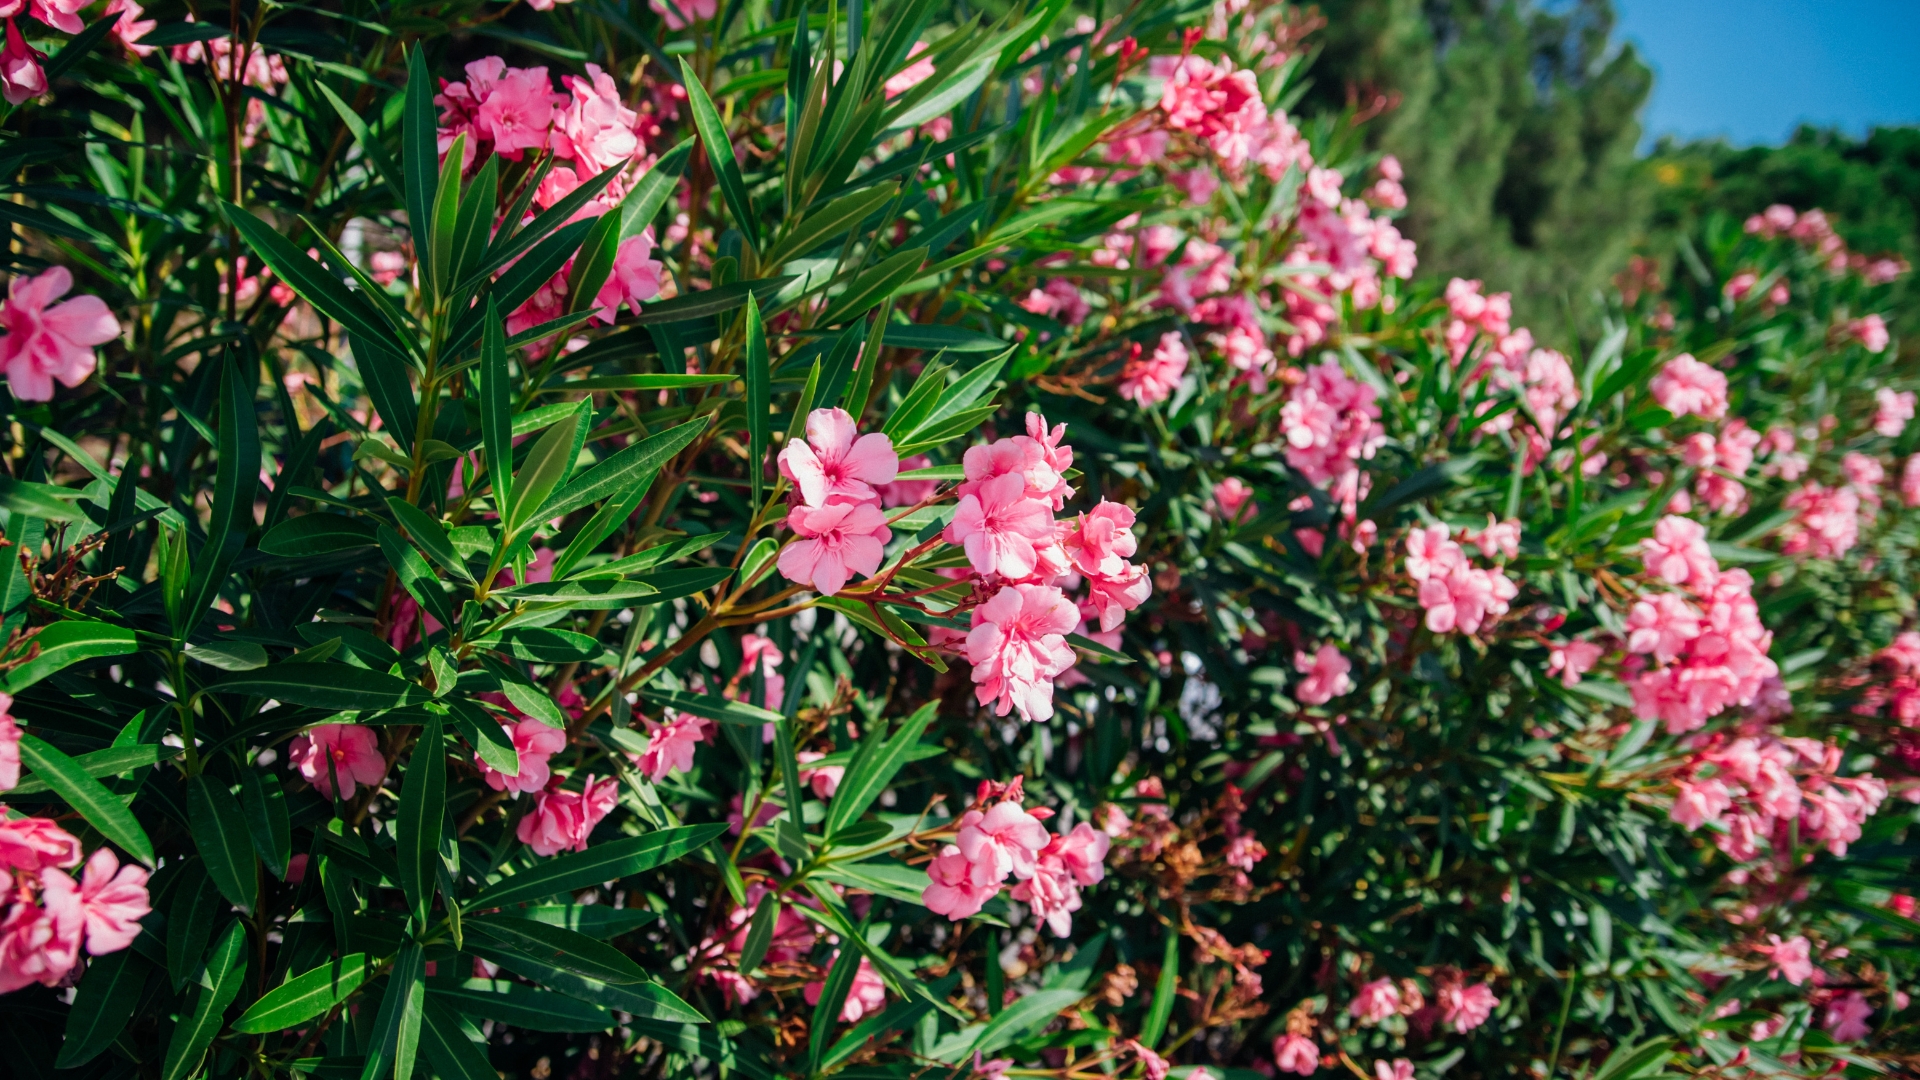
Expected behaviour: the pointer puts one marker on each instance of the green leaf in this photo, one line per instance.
(548, 645)
(496, 405)
(557, 946)
(452, 1055)
(64, 644)
(872, 769)
(632, 468)
(384, 371)
(583, 594)
(417, 828)
(112, 761)
(524, 1007)
(759, 391)
(88, 797)
(876, 283)
(423, 530)
(487, 736)
(39, 500)
(828, 222)
(545, 468)
(637, 382)
(649, 1000)
(419, 145)
(416, 576)
(376, 153)
(654, 556)
(334, 687)
(268, 823)
(229, 655)
(826, 1012)
(1087, 644)
(948, 89)
(936, 338)
(316, 284)
(237, 475)
(1028, 1015)
(900, 1016)
(599, 863)
(594, 920)
(896, 881)
(721, 709)
(220, 835)
(396, 1033)
(719, 149)
(304, 997)
(1160, 1010)
(102, 1006)
(226, 972)
(760, 933)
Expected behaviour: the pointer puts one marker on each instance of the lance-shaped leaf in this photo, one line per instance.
(226, 972)
(874, 284)
(304, 997)
(719, 148)
(826, 1012)
(419, 145)
(427, 532)
(599, 863)
(235, 478)
(1165, 989)
(633, 468)
(648, 1000)
(220, 835)
(760, 933)
(496, 405)
(396, 1032)
(416, 576)
(524, 1007)
(376, 153)
(335, 687)
(64, 644)
(316, 284)
(384, 371)
(88, 797)
(452, 1055)
(713, 708)
(487, 736)
(759, 393)
(265, 806)
(544, 943)
(423, 809)
(544, 469)
(829, 222)
(873, 768)
(316, 534)
(102, 1006)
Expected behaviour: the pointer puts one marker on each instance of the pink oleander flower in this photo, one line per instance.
(1677, 553)
(833, 465)
(1893, 409)
(681, 13)
(1098, 545)
(1296, 1054)
(670, 744)
(337, 758)
(109, 900)
(9, 745)
(1870, 332)
(824, 779)
(1375, 1002)
(757, 650)
(1572, 659)
(1397, 1069)
(832, 544)
(1018, 647)
(1828, 524)
(32, 844)
(1465, 1007)
(1233, 500)
(952, 890)
(1910, 481)
(913, 74)
(1004, 839)
(38, 945)
(1331, 423)
(1152, 1065)
(1083, 853)
(62, 15)
(1699, 802)
(865, 997)
(44, 341)
(1790, 959)
(518, 113)
(1464, 597)
(595, 128)
(1687, 387)
(535, 741)
(1846, 1017)
(1052, 893)
(1326, 675)
(1244, 852)
(1663, 626)
(130, 27)
(562, 820)
(1152, 379)
(635, 278)
(907, 492)
(1550, 388)
(1001, 528)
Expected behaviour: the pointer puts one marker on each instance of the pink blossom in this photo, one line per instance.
(1231, 497)
(1326, 675)
(1910, 481)
(1098, 545)
(63, 15)
(670, 744)
(1740, 285)
(1152, 1065)
(1699, 802)
(1244, 852)
(1677, 553)
(952, 890)
(1871, 332)
(595, 128)
(1331, 423)
(1375, 1002)
(1296, 1054)
(634, 279)
(824, 779)
(832, 465)
(908, 492)
(1572, 659)
(562, 820)
(1846, 1017)
(1789, 959)
(39, 945)
(1083, 852)
(535, 741)
(1004, 839)
(913, 74)
(1828, 524)
(1220, 106)
(45, 341)
(832, 544)
(1687, 387)
(1017, 646)
(1152, 380)
(518, 112)
(9, 745)
(1464, 597)
(1001, 527)
(1465, 1007)
(337, 758)
(32, 844)
(1398, 1069)
(130, 27)
(680, 13)
(112, 899)
(865, 997)
(1051, 892)
(1893, 410)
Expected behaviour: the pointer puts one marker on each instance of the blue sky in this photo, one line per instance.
(1753, 70)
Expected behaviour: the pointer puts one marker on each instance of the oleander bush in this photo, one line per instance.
(711, 539)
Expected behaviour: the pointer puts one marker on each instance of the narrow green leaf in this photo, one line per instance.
(759, 380)
(648, 1000)
(496, 406)
(544, 469)
(396, 1032)
(335, 687)
(873, 768)
(316, 534)
(304, 997)
(830, 221)
(524, 1007)
(599, 863)
(423, 810)
(1026, 1016)
(1160, 1010)
(265, 805)
(488, 738)
(451, 1054)
(376, 153)
(721, 709)
(102, 1006)
(64, 644)
(112, 761)
(719, 149)
(432, 537)
(314, 282)
(220, 835)
(416, 576)
(760, 934)
(565, 949)
(39, 500)
(226, 972)
(632, 469)
(88, 797)
(826, 1013)
(876, 283)
(419, 146)
(236, 477)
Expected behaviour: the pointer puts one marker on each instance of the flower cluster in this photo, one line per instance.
(1707, 644)
(1456, 594)
(52, 916)
(1772, 788)
(839, 530)
(998, 838)
(1813, 231)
